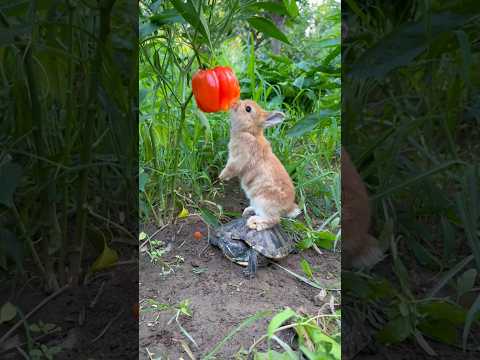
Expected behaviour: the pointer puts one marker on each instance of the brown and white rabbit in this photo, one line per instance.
(262, 176)
(359, 248)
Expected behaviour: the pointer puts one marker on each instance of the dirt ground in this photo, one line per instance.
(94, 321)
(220, 296)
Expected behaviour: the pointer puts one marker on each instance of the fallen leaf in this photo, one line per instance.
(7, 312)
(183, 214)
(107, 258)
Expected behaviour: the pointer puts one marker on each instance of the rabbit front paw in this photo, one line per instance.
(225, 175)
(248, 212)
(258, 223)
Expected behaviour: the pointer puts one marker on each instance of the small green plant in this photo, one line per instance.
(315, 339)
(42, 352)
(181, 309)
(37, 350)
(156, 250)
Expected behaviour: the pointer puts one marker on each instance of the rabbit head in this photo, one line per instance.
(248, 116)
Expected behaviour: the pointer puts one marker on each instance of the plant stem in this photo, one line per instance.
(177, 151)
(68, 135)
(29, 241)
(86, 153)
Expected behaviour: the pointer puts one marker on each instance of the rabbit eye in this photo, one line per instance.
(248, 109)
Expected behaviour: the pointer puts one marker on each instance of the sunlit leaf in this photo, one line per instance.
(268, 28)
(309, 123)
(279, 319)
(307, 269)
(292, 8)
(183, 214)
(193, 16)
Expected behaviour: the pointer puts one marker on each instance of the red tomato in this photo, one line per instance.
(197, 235)
(215, 89)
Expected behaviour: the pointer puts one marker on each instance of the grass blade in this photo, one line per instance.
(245, 323)
(413, 180)
(305, 280)
(449, 275)
(469, 321)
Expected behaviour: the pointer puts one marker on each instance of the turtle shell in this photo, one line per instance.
(272, 243)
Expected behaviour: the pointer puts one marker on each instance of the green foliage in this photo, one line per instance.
(311, 338)
(182, 150)
(410, 121)
(67, 98)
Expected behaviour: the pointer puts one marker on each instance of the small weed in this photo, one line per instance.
(314, 339)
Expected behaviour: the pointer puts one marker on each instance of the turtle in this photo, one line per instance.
(249, 247)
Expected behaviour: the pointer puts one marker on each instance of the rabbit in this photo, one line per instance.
(262, 176)
(359, 248)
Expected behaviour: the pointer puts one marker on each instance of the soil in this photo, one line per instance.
(82, 329)
(220, 296)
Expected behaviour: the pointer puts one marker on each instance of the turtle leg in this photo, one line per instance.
(213, 240)
(251, 269)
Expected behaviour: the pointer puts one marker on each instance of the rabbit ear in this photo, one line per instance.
(274, 118)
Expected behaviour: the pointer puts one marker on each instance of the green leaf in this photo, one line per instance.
(169, 16)
(292, 8)
(443, 310)
(466, 281)
(319, 337)
(464, 43)
(146, 29)
(35, 328)
(325, 239)
(268, 28)
(183, 214)
(305, 243)
(309, 123)
(203, 119)
(7, 312)
(245, 323)
(272, 355)
(193, 17)
(307, 269)
(419, 177)
(279, 319)
(404, 44)
(395, 331)
(299, 81)
(143, 179)
(355, 285)
(8, 36)
(471, 316)
(326, 43)
(292, 355)
(424, 257)
(209, 218)
(10, 175)
(441, 330)
(107, 258)
(269, 6)
(449, 275)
